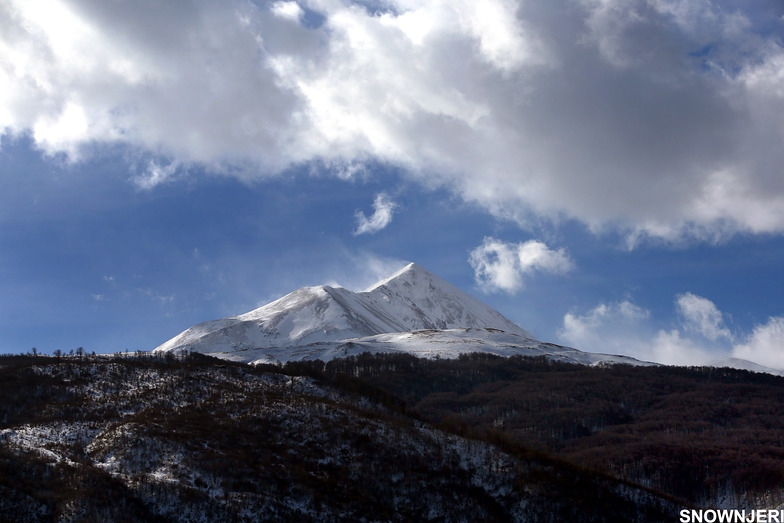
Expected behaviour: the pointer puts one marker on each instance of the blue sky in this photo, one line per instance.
(606, 174)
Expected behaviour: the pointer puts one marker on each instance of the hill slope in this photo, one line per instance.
(199, 439)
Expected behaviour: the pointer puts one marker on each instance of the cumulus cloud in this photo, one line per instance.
(383, 209)
(663, 119)
(501, 266)
(625, 328)
(702, 316)
(701, 339)
(765, 344)
(607, 328)
(672, 348)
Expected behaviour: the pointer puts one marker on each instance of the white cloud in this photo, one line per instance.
(501, 265)
(609, 328)
(534, 255)
(702, 316)
(662, 119)
(289, 10)
(57, 132)
(383, 209)
(155, 175)
(625, 328)
(672, 348)
(765, 345)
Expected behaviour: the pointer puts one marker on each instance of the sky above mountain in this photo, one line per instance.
(605, 173)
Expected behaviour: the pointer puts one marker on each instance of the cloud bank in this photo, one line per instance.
(501, 266)
(660, 119)
(701, 337)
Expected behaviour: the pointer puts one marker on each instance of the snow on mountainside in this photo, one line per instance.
(737, 363)
(411, 311)
(421, 300)
(409, 300)
(447, 343)
(307, 315)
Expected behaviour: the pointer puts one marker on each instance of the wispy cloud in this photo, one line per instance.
(156, 296)
(362, 269)
(524, 108)
(501, 266)
(156, 174)
(383, 209)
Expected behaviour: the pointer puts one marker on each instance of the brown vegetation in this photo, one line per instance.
(142, 438)
(695, 433)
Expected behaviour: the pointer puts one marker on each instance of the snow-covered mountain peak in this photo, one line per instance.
(421, 300)
(409, 273)
(411, 299)
(291, 300)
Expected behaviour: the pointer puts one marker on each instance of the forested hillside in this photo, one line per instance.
(145, 438)
(708, 435)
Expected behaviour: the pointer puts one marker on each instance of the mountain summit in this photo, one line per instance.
(412, 299)
(418, 299)
(412, 311)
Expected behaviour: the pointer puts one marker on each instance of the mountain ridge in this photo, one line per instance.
(411, 299)
(411, 311)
